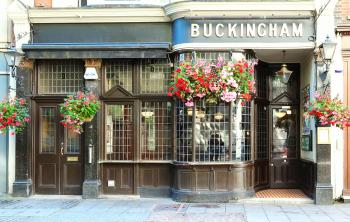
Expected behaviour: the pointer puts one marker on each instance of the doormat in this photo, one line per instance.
(281, 193)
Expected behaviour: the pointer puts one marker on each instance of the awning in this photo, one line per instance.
(96, 50)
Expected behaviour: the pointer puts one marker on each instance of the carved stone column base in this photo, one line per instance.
(324, 194)
(22, 188)
(91, 189)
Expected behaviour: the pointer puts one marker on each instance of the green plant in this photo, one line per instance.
(78, 109)
(14, 114)
(213, 81)
(328, 111)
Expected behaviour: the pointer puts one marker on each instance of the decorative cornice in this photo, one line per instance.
(173, 11)
(239, 9)
(97, 15)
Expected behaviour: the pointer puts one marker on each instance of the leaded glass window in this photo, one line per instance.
(60, 76)
(119, 72)
(48, 127)
(155, 76)
(156, 128)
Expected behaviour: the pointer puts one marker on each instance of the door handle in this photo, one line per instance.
(271, 164)
(62, 147)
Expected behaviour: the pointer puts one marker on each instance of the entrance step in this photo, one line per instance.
(280, 196)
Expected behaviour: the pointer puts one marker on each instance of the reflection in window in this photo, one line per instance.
(119, 132)
(284, 133)
(183, 132)
(72, 141)
(156, 131)
(60, 76)
(119, 73)
(155, 75)
(48, 130)
(212, 131)
(241, 137)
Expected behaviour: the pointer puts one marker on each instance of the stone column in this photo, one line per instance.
(324, 188)
(92, 183)
(22, 185)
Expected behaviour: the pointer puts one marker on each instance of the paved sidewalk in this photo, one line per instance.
(163, 210)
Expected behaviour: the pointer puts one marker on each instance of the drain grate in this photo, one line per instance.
(11, 219)
(7, 203)
(206, 205)
(67, 204)
(167, 207)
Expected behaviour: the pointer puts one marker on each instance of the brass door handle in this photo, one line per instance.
(62, 144)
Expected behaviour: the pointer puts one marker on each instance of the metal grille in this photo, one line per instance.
(48, 130)
(183, 132)
(212, 131)
(156, 131)
(204, 56)
(119, 73)
(72, 142)
(262, 133)
(60, 76)
(119, 132)
(155, 76)
(241, 138)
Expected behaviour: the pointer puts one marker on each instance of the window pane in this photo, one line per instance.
(119, 73)
(72, 141)
(212, 131)
(156, 131)
(262, 132)
(241, 138)
(183, 132)
(284, 133)
(155, 75)
(119, 132)
(48, 130)
(60, 76)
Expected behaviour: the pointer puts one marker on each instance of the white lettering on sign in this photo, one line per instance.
(218, 30)
(251, 30)
(194, 30)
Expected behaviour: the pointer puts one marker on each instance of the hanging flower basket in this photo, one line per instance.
(213, 81)
(78, 109)
(328, 111)
(14, 114)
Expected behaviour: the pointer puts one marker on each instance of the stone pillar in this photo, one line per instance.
(92, 183)
(324, 188)
(22, 185)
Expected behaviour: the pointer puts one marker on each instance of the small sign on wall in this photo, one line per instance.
(324, 135)
(110, 183)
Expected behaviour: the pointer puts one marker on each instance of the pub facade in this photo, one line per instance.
(143, 142)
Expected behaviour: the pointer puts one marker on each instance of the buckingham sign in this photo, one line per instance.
(249, 30)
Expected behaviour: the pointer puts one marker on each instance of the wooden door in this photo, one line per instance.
(58, 155)
(283, 146)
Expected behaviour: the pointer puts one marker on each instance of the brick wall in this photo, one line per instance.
(342, 12)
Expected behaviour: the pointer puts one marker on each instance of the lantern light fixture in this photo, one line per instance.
(284, 73)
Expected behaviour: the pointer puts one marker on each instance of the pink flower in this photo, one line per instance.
(228, 96)
(189, 103)
(232, 83)
(200, 95)
(213, 88)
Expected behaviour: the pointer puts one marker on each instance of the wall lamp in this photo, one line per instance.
(13, 59)
(327, 49)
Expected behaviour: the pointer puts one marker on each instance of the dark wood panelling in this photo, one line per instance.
(225, 177)
(122, 175)
(155, 175)
(261, 174)
(307, 177)
(284, 174)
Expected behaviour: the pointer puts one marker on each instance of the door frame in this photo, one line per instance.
(297, 152)
(53, 101)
